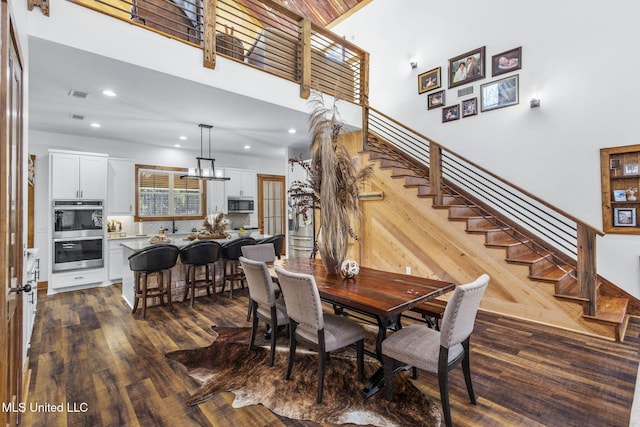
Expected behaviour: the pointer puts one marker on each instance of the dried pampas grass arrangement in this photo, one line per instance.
(335, 180)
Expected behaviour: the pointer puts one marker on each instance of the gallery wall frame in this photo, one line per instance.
(507, 61)
(451, 113)
(499, 93)
(429, 80)
(468, 67)
(436, 100)
(469, 107)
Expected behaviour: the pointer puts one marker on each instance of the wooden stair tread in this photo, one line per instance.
(549, 274)
(527, 258)
(611, 309)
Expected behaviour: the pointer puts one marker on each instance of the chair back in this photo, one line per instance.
(201, 252)
(302, 299)
(278, 243)
(264, 252)
(232, 250)
(154, 258)
(460, 315)
(259, 280)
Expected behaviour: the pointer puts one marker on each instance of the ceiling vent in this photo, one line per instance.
(78, 94)
(77, 117)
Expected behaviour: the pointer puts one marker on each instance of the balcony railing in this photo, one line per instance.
(258, 33)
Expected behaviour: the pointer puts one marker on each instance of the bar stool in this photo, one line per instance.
(203, 253)
(231, 253)
(158, 260)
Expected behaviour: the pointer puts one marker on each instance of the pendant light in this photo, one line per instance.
(200, 172)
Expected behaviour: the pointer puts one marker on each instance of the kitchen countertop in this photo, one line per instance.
(179, 241)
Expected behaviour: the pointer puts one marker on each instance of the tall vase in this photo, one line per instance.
(331, 260)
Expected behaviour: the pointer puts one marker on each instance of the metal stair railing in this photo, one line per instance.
(542, 227)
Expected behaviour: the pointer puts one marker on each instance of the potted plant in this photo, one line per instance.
(333, 184)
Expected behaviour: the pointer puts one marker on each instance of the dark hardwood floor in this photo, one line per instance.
(88, 350)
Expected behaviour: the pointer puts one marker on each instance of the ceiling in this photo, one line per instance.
(156, 108)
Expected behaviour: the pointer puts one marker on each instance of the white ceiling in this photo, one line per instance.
(151, 107)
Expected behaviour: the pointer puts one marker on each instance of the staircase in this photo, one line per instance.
(545, 265)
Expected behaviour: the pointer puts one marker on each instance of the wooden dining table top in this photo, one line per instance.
(378, 293)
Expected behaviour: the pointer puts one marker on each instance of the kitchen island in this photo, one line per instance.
(129, 247)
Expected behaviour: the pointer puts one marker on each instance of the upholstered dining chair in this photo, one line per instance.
(435, 351)
(263, 252)
(308, 324)
(263, 302)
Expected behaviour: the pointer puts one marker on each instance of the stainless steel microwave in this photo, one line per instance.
(240, 205)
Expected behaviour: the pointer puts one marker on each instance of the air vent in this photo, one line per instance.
(77, 116)
(78, 94)
(465, 91)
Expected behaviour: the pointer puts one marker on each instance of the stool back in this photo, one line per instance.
(154, 258)
(278, 243)
(232, 250)
(202, 252)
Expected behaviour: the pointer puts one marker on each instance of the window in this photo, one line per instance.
(161, 193)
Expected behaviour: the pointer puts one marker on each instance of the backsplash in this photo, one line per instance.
(125, 224)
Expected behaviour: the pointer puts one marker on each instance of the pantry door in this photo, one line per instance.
(271, 205)
(11, 222)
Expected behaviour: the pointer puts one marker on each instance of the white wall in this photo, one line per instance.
(577, 57)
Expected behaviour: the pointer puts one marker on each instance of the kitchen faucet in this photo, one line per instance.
(173, 226)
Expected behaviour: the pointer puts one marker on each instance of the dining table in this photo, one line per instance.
(377, 294)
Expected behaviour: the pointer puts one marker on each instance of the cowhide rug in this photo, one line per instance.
(228, 365)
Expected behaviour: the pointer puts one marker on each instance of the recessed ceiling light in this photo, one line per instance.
(247, 147)
(292, 131)
(182, 138)
(177, 145)
(108, 92)
(95, 125)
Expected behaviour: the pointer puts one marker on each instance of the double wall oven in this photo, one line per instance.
(78, 235)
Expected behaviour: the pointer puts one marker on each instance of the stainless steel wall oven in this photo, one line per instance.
(78, 235)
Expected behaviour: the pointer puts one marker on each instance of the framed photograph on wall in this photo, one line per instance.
(507, 61)
(451, 113)
(631, 169)
(429, 80)
(499, 93)
(435, 99)
(619, 196)
(466, 68)
(624, 217)
(469, 107)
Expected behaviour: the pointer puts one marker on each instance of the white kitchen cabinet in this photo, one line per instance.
(78, 176)
(216, 197)
(61, 281)
(121, 183)
(243, 183)
(115, 260)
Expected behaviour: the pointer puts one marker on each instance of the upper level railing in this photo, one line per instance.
(259, 33)
(544, 228)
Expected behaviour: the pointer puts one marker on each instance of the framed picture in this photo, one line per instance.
(429, 80)
(619, 196)
(499, 93)
(451, 113)
(505, 62)
(469, 107)
(631, 169)
(435, 99)
(466, 68)
(614, 164)
(624, 217)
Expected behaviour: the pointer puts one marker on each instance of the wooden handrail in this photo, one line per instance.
(484, 170)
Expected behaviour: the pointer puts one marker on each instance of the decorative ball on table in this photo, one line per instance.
(349, 268)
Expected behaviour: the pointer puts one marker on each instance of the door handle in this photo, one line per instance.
(17, 290)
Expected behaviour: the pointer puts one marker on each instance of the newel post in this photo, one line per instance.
(365, 127)
(435, 172)
(587, 271)
(209, 34)
(304, 28)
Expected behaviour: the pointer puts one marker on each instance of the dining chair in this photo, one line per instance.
(277, 241)
(263, 252)
(263, 302)
(309, 325)
(435, 351)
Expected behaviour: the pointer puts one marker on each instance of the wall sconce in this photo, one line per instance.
(413, 63)
(534, 103)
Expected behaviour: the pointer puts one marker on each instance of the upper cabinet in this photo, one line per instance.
(121, 183)
(243, 183)
(78, 176)
(620, 169)
(216, 197)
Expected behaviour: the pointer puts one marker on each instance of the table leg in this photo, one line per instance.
(377, 379)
